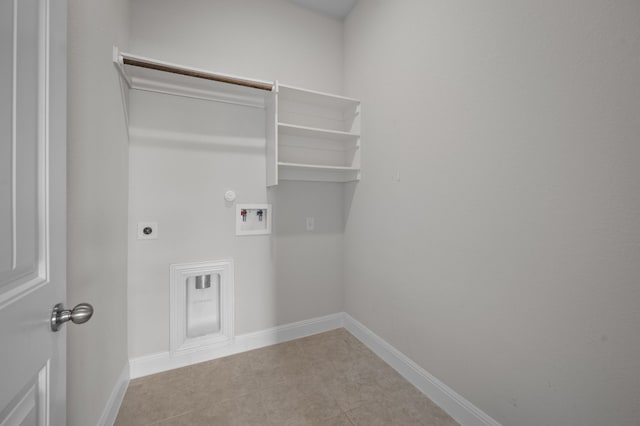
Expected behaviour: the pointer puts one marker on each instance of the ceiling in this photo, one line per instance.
(335, 8)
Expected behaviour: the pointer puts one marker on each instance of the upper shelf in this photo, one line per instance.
(326, 100)
(312, 132)
(317, 173)
(310, 135)
(158, 76)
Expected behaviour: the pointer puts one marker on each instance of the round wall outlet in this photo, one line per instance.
(147, 230)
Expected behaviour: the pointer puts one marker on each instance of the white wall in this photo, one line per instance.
(506, 262)
(199, 149)
(263, 39)
(97, 206)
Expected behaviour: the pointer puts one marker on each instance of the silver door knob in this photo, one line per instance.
(78, 315)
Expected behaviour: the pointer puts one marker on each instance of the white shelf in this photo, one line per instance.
(319, 167)
(313, 132)
(315, 136)
(327, 100)
(148, 74)
(317, 173)
(310, 135)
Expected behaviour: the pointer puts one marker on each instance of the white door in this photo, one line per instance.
(32, 210)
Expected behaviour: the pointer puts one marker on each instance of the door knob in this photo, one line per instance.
(78, 315)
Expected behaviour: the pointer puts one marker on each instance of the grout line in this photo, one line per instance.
(172, 417)
(349, 417)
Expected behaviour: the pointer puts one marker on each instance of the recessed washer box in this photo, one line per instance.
(253, 219)
(201, 306)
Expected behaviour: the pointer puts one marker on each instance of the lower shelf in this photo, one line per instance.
(316, 173)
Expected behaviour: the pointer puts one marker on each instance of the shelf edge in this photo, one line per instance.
(319, 130)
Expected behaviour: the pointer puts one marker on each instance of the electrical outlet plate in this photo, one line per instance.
(311, 223)
(147, 230)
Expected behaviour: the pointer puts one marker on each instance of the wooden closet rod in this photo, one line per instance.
(197, 74)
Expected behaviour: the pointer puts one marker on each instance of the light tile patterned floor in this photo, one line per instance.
(326, 379)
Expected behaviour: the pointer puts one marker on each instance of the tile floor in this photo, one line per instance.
(326, 379)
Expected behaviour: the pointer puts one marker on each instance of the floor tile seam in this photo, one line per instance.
(270, 420)
(265, 409)
(351, 420)
(360, 403)
(388, 392)
(261, 366)
(157, 422)
(234, 400)
(345, 412)
(224, 399)
(260, 405)
(332, 398)
(261, 401)
(321, 367)
(308, 401)
(347, 417)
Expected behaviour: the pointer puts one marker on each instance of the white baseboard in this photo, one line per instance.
(110, 412)
(446, 398)
(163, 361)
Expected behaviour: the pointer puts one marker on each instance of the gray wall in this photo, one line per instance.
(263, 39)
(506, 261)
(186, 153)
(97, 205)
